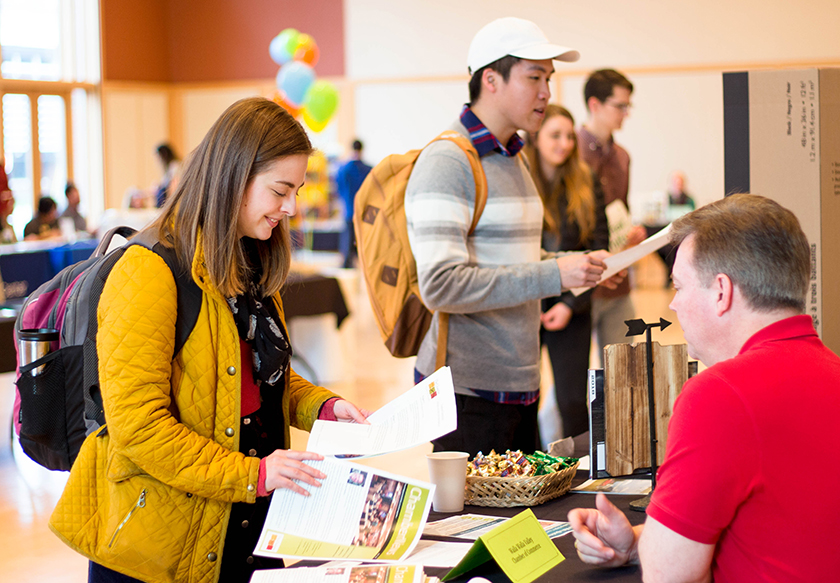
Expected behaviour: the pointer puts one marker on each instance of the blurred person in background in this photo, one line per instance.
(679, 203)
(72, 210)
(573, 220)
(171, 164)
(45, 223)
(677, 196)
(349, 178)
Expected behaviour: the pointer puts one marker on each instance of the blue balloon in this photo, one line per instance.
(294, 80)
(282, 47)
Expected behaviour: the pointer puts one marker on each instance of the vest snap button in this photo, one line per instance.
(231, 370)
(229, 432)
(211, 557)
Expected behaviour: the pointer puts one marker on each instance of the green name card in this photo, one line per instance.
(520, 546)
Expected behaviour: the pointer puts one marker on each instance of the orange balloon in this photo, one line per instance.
(293, 111)
(308, 54)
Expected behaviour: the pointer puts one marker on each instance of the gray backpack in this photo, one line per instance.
(57, 408)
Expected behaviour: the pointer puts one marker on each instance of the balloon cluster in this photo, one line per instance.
(298, 91)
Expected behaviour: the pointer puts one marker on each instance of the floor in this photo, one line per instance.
(355, 365)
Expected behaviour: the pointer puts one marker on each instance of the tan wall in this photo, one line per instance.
(135, 121)
(139, 116)
(673, 52)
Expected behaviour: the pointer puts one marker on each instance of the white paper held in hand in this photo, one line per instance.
(425, 412)
(628, 257)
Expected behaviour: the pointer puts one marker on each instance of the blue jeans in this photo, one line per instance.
(347, 243)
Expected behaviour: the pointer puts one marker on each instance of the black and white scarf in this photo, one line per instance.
(260, 326)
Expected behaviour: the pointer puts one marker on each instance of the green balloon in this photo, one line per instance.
(289, 40)
(321, 100)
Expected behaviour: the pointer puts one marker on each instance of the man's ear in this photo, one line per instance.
(592, 104)
(489, 80)
(725, 291)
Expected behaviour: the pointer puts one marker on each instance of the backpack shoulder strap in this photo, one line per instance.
(189, 297)
(469, 150)
(189, 294)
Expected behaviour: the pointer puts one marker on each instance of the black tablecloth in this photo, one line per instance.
(572, 569)
(313, 295)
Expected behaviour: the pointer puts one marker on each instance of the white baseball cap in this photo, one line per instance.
(515, 37)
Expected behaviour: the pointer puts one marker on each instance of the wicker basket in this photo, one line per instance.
(507, 492)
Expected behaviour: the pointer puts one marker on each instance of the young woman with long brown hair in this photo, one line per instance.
(574, 220)
(175, 487)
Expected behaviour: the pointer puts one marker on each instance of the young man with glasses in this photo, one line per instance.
(607, 93)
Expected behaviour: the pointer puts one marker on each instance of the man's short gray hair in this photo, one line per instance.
(757, 243)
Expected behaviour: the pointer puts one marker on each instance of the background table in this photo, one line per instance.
(315, 344)
(313, 295)
(26, 265)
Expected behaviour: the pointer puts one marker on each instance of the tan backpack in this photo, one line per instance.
(385, 253)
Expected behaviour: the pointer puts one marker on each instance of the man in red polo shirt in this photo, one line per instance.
(725, 505)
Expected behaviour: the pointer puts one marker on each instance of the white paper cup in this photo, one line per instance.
(448, 472)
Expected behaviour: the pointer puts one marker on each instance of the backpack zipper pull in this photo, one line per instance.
(141, 503)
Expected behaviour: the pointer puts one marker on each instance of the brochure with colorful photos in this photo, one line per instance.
(343, 574)
(359, 513)
(421, 414)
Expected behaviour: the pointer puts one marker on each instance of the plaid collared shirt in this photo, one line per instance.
(483, 140)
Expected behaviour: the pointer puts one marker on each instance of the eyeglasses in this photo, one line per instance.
(622, 107)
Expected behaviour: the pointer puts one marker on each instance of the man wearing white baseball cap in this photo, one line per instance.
(490, 282)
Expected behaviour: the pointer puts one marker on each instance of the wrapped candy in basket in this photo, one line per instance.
(517, 479)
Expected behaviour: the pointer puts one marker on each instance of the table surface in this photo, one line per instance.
(572, 569)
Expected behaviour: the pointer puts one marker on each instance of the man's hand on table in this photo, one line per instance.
(603, 535)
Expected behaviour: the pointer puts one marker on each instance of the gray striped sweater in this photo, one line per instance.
(490, 283)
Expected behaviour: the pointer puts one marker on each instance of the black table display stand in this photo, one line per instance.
(634, 328)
